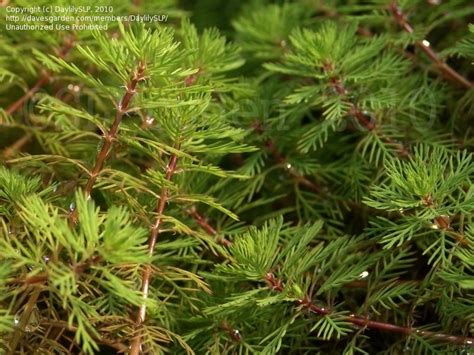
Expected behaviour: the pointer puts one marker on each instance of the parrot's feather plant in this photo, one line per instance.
(299, 183)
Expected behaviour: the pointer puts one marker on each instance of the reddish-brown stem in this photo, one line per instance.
(443, 222)
(121, 347)
(273, 282)
(280, 159)
(17, 145)
(277, 285)
(38, 280)
(388, 327)
(460, 238)
(111, 135)
(362, 118)
(300, 179)
(155, 231)
(43, 80)
(79, 268)
(191, 79)
(233, 333)
(338, 85)
(425, 46)
(202, 221)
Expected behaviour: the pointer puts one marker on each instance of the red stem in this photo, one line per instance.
(424, 45)
(338, 85)
(120, 347)
(280, 159)
(277, 285)
(77, 268)
(155, 231)
(17, 145)
(202, 221)
(43, 80)
(388, 327)
(111, 135)
(341, 90)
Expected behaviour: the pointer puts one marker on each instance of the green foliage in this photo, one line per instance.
(426, 192)
(264, 30)
(300, 183)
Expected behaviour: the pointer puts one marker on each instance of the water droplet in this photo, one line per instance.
(363, 274)
(442, 222)
(33, 320)
(139, 349)
(76, 88)
(72, 207)
(70, 87)
(236, 335)
(425, 43)
(434, 226)
(288, 166)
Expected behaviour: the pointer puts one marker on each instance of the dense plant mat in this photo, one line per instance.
(298, 181)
